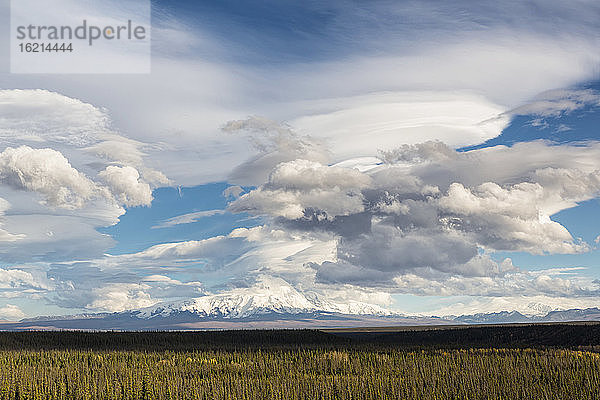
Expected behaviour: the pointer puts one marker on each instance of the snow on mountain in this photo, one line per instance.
(588, 314)
(267, 296)
(493, 318)
(537, 308)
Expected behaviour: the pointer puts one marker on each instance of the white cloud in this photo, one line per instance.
(428, 222)
(47, 172)
(233, 192)
(297, 186)
(188, 218)
(428, 218)
(526, 305)
(275, 143)
(510, 60)
(120, 297)
(41, 116)
(49, 238)
(4, 235)
(435, 192)
(125, 184)
(554, 103)
(11, 312)
(511, 283)
(18, 279)
(458, 119)
(507, 219)
(64, 152)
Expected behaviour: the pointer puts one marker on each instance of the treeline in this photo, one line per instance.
(168, 341)
(521, 336)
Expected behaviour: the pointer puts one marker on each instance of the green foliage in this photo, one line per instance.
(301, 373)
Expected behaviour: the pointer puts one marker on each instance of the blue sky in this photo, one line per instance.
(421, 156)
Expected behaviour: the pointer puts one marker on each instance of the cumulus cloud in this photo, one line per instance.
(47, 172)
(295, 187)
(66, 171)
(120, 297)
(427, 213)
(507, 219)
(79, 130)
(125, 184)
(44, 118)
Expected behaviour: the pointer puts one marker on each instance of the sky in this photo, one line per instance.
(426, 157)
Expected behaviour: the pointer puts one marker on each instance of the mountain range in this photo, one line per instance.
(275, 304)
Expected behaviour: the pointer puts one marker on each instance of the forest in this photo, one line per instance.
(559, 361)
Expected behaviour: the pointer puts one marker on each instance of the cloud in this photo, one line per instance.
(20, 280)
(295, 187)
(49, 238)
(47, 172)
(512, 283)
(430, 191)
(403, 117)
(419, 86)
(344, 273)
(422, 220)
(93, 286)
(4, 235)
(66, 172)
(507, 219)
(554, 103)
(11, 312)
(125, 184)
(425, 219)
(275, 143)
(527, 305)
(42, 116)
(326, 91)
(77, 129)
(120, 297)
(188, 218)
(233, 192)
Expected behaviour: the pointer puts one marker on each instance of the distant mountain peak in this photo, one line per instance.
(588, 314)
(268, 296)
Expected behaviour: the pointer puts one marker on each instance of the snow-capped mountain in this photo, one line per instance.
(274, 303)
(493, 318)
(540, 309)
(588, 314)
(267, 296)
